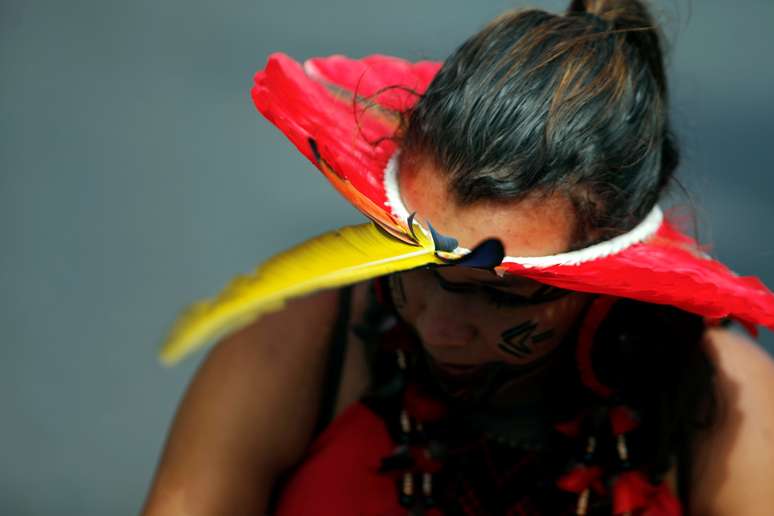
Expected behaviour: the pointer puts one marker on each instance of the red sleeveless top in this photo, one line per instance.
(340, 475)
(356, 466)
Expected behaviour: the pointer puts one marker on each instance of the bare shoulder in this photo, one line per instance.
(247, 415)
(735, 457)
(301, 326)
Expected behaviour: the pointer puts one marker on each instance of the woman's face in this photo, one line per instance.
(468, 317)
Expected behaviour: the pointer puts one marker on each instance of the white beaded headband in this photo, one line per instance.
(642, 231)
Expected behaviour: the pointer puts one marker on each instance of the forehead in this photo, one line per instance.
(535, 226)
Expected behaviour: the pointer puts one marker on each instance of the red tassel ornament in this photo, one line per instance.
(663, 503)
(570, 428)
(623, 420)
(596, 314)
(631, 491)
(580, 478)
(422, 407)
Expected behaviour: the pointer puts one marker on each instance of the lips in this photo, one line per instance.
(457, 369)
(464, 383)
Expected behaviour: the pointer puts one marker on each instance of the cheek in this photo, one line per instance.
(514, 335)
(441, 319)
(525, 334)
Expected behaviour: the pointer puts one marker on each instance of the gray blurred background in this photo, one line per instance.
(136, 176)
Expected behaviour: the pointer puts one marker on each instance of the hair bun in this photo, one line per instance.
(631, 20)
(625, 12)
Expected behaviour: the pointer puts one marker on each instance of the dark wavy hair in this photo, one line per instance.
(539, 103)
(577, 104)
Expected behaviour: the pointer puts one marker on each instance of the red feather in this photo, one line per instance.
(580, 478)
(325, 103)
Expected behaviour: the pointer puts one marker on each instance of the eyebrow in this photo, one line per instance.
(544, 293)
(511, 282)
(517, 282)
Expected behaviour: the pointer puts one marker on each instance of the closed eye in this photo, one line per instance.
(457, 288)
(500, 298)
(548, 293)
(544, 294)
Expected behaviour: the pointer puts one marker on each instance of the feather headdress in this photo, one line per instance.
(340, 113)
(341, 257)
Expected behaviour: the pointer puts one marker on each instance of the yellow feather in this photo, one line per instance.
(335, 259)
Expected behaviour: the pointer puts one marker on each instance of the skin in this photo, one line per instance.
(733, 459)
(470, 328)
(457, 311)
(234, 434)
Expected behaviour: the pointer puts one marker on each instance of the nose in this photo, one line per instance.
(444, 325)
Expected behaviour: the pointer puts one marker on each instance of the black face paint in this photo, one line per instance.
(519, 341)
(397, 291)
(540, 337)
(516, 340)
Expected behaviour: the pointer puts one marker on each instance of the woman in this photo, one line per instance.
(587, 376)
